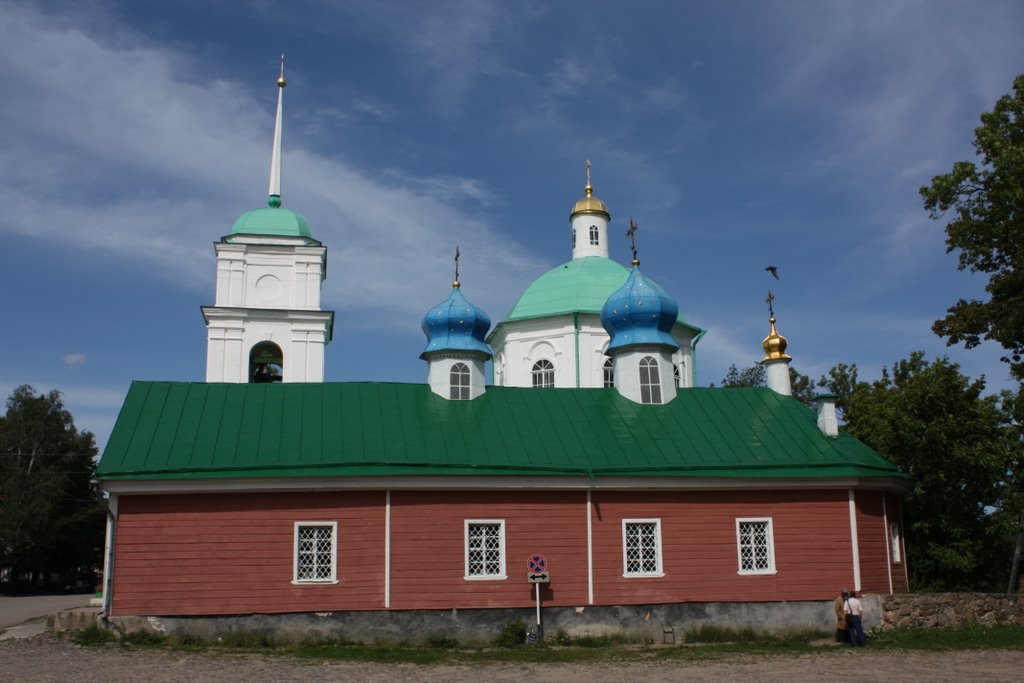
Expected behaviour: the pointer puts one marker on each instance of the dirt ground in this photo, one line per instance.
(46, 658)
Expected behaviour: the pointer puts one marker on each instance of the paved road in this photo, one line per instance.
(14, 611)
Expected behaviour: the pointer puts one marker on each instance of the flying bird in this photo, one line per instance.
(774, 270)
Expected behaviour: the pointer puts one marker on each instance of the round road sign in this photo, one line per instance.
(537, 564)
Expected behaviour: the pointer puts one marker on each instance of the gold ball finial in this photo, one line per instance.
(774, 344)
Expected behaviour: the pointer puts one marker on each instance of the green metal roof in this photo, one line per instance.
(273, 220)
(201, 431)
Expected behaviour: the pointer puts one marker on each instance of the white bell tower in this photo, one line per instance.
(266, 324)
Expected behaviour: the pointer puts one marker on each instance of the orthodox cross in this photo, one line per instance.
(456, 283)
(631, 234)
(588, 173)
(770, 299)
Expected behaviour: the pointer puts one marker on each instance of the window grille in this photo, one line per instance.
(755, 546)
(543, 374)
(641, 548)
(650, 381)
(459, 381)
(574, 238)
(609, 374)
(676, 375)
(315, 552)
(594, 235)
(485, 545)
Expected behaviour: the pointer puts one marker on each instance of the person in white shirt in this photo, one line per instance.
(854, 611)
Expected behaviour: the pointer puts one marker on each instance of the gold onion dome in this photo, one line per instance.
(774, 344)
(590, 204)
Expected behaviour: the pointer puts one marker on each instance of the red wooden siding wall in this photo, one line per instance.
(234, 553)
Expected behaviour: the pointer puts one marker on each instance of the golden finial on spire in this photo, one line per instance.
(280, 79)
(589, 203)
(631, 234)
(456, 284)
(774, 344)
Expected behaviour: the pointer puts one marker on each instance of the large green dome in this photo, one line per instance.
(273, 220)
(578, 286)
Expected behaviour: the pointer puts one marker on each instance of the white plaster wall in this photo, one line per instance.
(627, 372)
(581, 224)
(439, 374)
(269, 276)
(777, 376)
(518, 345)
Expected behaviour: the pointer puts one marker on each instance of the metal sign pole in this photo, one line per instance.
(537, 587)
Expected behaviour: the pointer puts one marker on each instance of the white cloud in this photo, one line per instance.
(74, 360)
(121, 147)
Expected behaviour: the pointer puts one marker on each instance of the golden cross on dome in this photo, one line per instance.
(588, 174)
(456, 283)
(631, 234)
(280, 79)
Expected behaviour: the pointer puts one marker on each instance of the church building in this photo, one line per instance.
(572, 431)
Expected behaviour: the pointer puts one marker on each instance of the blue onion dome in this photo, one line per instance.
(639, 313)
(456, 325)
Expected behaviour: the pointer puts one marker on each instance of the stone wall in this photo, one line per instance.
(936, 610)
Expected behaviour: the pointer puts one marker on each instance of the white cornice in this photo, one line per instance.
(522, 483)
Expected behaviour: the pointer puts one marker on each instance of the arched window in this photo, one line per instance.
(593, 235)
(675, 375)
(266, 363)
(650, 381)
(574, 238)
(609, 374)
(459, 381)
(543, 374)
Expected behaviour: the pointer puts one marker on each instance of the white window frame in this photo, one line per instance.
(541, 374)
(595, 236)
(660, 570)
(333, 526)
(608, 374)
(894, 537)
(502, 575)
(769, 533)
(459, 380)
(650, 386)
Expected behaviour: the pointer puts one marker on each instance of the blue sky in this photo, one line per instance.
(737, 134)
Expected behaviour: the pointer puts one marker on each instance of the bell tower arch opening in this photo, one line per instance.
(266, 363)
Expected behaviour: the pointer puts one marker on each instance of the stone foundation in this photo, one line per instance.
(936, 610)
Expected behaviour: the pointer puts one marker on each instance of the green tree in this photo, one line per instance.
(51, 509)
(955, 443)
(987, 230)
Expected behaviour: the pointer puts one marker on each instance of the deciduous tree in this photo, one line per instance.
(51, 510)
(987, 230)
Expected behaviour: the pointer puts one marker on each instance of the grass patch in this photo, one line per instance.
(970, 637)
(701, 644)
(93, 634)
(143, 638)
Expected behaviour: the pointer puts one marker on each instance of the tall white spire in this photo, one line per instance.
(275, 156)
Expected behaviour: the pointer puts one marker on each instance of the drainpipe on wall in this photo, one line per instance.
(693, 354)
(108, 556)
(576, 340)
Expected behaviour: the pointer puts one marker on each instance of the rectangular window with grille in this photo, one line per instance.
(755, 546)
(485, 549)
(641, 547)
(316, 552)
(897, 550)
